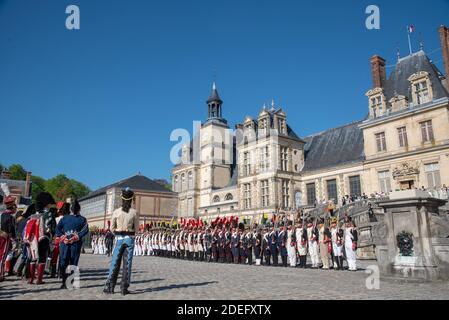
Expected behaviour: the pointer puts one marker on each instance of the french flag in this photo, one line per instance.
(411, 29)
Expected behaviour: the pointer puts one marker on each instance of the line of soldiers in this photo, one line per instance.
(39, 240)
(102, 243)
(327, 246)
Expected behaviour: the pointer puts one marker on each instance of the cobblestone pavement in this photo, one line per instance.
(162, 278)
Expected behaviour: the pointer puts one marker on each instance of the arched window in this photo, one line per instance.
(190, 179)
(175, 183)
(229, 197)
(216, 199)
(183, 182)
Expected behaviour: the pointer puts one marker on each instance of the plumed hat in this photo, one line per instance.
(127, 194)
(59, 205)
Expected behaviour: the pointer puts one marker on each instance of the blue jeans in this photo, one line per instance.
(128, 241)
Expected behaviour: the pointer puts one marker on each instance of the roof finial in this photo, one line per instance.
(272, 104)
(264, 106)
(214, 86)
(398, 53)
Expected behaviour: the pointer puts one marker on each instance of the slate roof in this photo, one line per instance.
(137, 182)
(397, 82)
(214, 95)
(272, 112)
(334, 147)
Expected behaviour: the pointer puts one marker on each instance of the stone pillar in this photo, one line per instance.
(409, 250)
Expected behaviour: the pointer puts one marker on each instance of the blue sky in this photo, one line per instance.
(99, 103)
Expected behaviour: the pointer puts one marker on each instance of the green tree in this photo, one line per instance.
(38, 186)
(1, 168)
(17, 172)
(79, 189)
(62, 188)
(58, 187)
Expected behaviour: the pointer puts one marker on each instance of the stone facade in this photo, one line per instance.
(152, 202)
(402, 144)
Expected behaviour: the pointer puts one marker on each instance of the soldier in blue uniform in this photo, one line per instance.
(258, 246)
(266, 247)
(71, 229)
(281, 245)
(272, 237)
(228, 249)
(235, 243)
(243, 245)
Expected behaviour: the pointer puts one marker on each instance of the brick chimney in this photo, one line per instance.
(444, 38)
(378, 71)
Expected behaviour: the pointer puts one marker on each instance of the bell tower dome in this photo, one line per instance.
(214, 104)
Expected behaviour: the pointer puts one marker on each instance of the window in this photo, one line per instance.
(284, 158)
(402, 133)
(183, 182)
(281, 125)
(384, 181)
(216, 199)
(189, 206)
(229, 197)
(422, 92)
(264, 163)
(264, 191)
(332, 190)
(247, 195)
(376, 106)
(427, 131)
(190, 180)
(311, 194)
(381, 143)
(355, 188)
(433, 175)
(246, 163)
(175, 184)
(285, 194)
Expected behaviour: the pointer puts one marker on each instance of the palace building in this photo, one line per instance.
(263, 166)
(152, 201)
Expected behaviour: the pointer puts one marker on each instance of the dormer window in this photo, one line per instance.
(377, 102)
(376, 106)
(282, 126)
(422, 92)
(263, 124)
(421, 87)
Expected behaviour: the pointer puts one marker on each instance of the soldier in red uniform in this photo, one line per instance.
(7, 233)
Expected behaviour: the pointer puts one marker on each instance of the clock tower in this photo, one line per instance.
(216, 147)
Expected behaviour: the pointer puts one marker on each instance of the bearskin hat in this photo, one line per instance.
(43, 199)
(76, 208)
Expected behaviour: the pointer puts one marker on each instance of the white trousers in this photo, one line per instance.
(313, 251)
(351, 257)
(291, 256)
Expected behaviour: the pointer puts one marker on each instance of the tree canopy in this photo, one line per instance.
(60, 186)
(17, 172)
